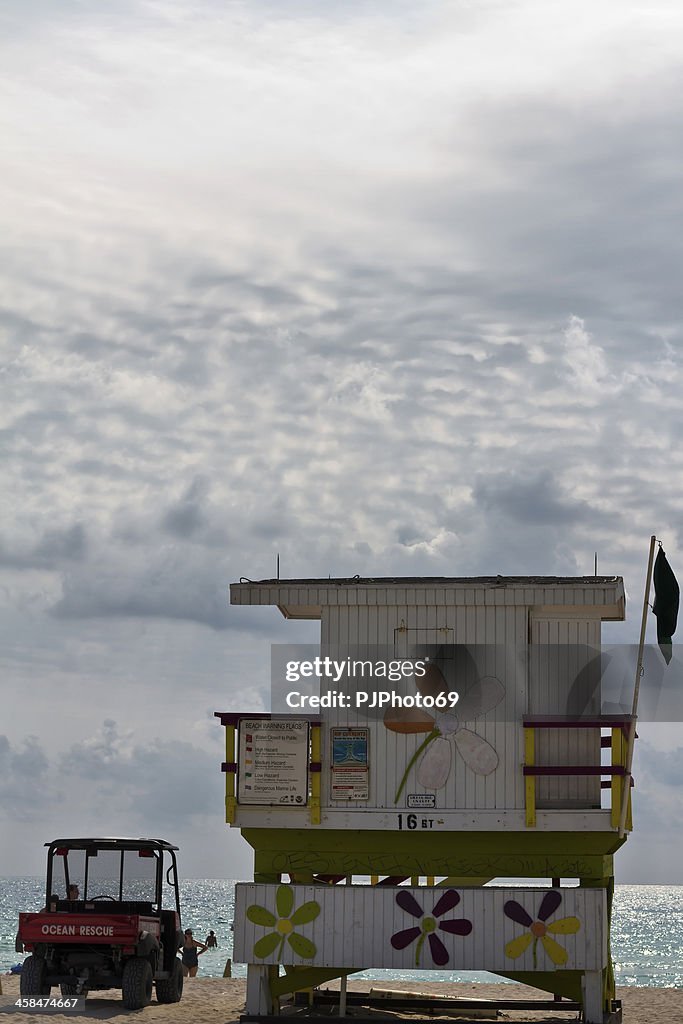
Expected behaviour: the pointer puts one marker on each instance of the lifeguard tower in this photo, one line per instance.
(375, 830)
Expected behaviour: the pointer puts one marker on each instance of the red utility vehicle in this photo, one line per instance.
(111, 920)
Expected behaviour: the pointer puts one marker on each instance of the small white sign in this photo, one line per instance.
(273, 761)
(421, 800)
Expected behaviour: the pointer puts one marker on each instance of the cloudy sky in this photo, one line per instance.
(383, 287)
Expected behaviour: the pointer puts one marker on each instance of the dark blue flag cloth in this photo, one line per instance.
(665, 604)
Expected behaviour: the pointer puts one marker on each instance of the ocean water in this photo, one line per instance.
(647, 931)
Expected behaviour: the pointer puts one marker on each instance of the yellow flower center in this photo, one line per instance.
(428, 925)
(284, 926)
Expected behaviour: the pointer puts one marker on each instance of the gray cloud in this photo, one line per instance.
(153, 783)
(55, 548)
(69, 544)
(655, 794)
(425, 318)
(663, 767)
(539, 500)
(170, 584)
(118, 782)
(111, 769)
(194, 517)
(26, 787)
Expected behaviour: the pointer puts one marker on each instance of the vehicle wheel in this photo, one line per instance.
(32, 976)
(69, 989)
(137, 983)
(169, 990)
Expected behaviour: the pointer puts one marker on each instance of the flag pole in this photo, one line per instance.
(626, 791)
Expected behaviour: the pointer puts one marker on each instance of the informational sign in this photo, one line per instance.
(273, 761)
(421, 800)
(350, 767)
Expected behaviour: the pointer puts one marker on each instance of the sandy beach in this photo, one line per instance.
(221, 1001)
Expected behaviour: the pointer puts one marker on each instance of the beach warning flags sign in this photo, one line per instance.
(665, 604)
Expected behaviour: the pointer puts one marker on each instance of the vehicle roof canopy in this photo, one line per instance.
(111, 843)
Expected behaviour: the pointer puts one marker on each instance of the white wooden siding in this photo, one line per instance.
(564, 646)
(500, 635)
(355, 925)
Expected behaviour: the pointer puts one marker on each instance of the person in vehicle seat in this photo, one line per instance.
(73, 892)
(191, 949)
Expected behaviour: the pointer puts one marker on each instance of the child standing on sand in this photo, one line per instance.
(191, 950)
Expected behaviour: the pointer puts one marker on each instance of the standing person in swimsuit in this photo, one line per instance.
(191, 950)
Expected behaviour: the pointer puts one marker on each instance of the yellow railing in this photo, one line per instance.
(230, 755)
(619, 748)
(620, 726)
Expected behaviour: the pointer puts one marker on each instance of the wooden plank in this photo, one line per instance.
(448, 820)
(355, 924)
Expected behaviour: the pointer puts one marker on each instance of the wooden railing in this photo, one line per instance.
(617, 742)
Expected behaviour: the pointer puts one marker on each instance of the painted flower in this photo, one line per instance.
(446, 731)
(283, 924)
(429, 925)
(538, 929)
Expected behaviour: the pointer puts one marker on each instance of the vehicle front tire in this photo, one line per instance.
(170, 990)
(33, 971)
(137, 983)
(69, 989)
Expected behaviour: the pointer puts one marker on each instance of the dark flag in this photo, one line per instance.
(665, 604)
